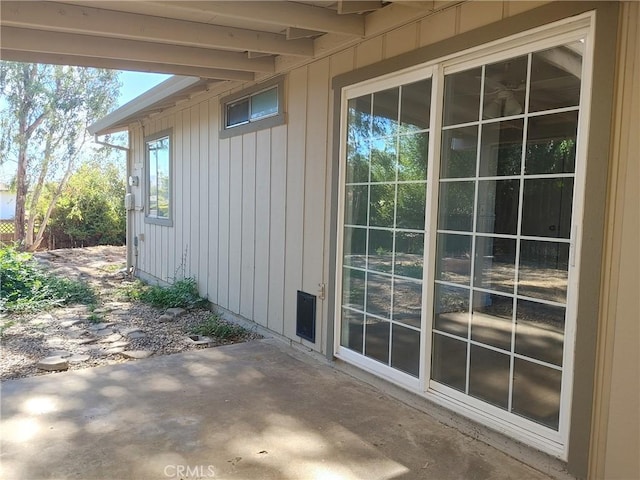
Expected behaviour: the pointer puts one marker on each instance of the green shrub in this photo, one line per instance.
(214, 326)
(25, 287)
(183, 293)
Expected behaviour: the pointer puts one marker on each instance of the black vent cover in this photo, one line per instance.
(306, 316)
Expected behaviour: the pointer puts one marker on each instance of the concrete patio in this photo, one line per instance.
(256, 410)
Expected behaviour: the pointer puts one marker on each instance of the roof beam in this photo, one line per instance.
(95, 21)
(96, 62)
(20, 39)
(357, 6)
(295, 33)
(286, 14)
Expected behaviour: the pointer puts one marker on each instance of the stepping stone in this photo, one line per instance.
(42, 319)
(59, 353)
(175, 312)
(120, 344)
(166, 318)
(55, 341)
(53, 364)
(137, 354)
(87, 340)
(134, 335)
(127, 331)
(105, 332)
(100, 326)
(111, 338)
(116, 305)
(111, 351)
(99, 311)
(70, 323)
(78, 358)
(200, 340)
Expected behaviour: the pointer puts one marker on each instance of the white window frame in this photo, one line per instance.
(148, 217)
(527, 431)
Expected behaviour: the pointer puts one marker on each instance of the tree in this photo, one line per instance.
(45, 110)
(90, 210)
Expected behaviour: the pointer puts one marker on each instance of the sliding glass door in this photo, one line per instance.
(384, 223)
(507, 170)
(455, 273)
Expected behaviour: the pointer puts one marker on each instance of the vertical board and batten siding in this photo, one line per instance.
(251, 213)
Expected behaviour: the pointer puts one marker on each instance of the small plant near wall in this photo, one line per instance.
(215, 326)
(183, 294)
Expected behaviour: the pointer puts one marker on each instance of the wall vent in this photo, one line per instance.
(306, 316)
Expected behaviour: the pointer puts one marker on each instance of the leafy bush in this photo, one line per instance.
(25, 287)
(91, 208)
(214, 326)
(183, 293)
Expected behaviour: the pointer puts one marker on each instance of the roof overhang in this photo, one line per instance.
(162, 96)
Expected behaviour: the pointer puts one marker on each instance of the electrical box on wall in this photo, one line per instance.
(129, 202)
(306, 316)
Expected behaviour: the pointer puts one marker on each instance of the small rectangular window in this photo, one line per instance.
(238, 113)
(158, 179)
(264, 104)
(254, 109)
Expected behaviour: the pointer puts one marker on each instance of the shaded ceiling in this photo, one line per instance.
(227, 40)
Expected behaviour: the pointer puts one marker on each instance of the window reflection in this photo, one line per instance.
(453, 258)
(455, 210)
(405, 349)
(536, 392)
(489, 376)
(551, 143)
(492, 319)
(540, 331)
(158, 196)
(376, 344)
(555, 77)
(449, 363)
(543, 271)
(407, 302)
(352, 330)
(459, 148)
(385, 112)
(462, 97)
(409, 254)
(416, 106)
(495, 263)
(451, 310)
(501, 151)
(546, 210)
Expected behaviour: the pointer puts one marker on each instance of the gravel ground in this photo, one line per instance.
(88, 339)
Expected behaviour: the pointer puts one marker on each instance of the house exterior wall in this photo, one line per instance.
(253, 221)
(616, 439)
(7, 205)
(229, 192)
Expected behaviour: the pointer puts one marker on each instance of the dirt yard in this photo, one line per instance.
(118, 330)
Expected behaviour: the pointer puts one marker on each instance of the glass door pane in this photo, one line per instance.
(384, 231)
(507, 169)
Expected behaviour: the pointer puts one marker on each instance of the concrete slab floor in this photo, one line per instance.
(244, 411)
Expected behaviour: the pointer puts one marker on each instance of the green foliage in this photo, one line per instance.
(94, 318)
(183, 293)
(25, 287)
(91, 209)
(130, 291)
(215, 326)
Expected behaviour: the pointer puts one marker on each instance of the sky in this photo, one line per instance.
(136, 83)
